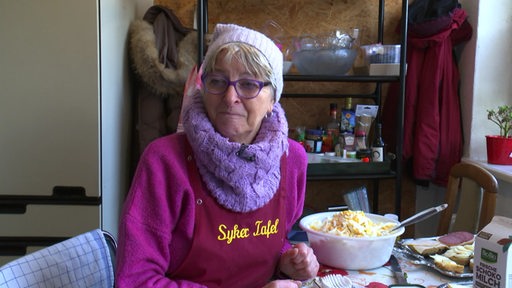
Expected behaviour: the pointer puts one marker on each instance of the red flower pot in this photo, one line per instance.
(499, 150)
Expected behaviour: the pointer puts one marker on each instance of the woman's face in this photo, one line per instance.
(237, 118)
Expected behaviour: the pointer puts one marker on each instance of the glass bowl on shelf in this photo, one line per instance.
(333, 54)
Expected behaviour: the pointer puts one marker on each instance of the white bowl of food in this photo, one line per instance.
(369, 246)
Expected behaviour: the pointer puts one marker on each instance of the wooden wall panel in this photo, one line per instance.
(296, 17)
(299, 17)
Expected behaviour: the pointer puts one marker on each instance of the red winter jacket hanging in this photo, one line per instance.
(432, 118)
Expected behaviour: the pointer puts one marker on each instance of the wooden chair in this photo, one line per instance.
(471, 198)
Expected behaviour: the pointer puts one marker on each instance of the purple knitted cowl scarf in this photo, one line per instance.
(241, 183)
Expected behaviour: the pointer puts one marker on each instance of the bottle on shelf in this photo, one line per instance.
(378, 144)
(326, 140)
(347, 125)
(333, 128)
(360, 138)
(314, 141)
(348, 118)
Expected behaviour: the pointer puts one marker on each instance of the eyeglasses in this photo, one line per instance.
(245, 88)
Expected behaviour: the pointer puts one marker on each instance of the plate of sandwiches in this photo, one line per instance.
(464, 284)
(450, 254)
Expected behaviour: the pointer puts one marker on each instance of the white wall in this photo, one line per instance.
(486, 82)
(486, 70)
(142, 7)
(488, 79)
(115, 18)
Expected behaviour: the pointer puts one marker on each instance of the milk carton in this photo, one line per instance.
(493, 260)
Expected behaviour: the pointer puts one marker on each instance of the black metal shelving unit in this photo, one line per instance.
(395, 171)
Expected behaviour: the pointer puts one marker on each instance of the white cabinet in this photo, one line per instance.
(49, 116)
(64, 116)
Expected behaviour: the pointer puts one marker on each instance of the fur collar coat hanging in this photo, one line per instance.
(162, 54)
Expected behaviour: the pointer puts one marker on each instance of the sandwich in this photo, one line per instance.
(446, 264)
(426, 246)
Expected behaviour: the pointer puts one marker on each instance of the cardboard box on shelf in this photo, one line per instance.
(385, 69)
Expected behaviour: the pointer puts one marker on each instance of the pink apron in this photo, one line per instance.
(231, 249)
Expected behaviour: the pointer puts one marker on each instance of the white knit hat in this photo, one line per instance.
(227, 33)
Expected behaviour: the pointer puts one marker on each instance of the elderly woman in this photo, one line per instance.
(212, 207)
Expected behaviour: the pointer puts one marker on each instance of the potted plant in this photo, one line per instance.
(499, 147)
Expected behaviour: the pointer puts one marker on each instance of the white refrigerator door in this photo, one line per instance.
(49, 96)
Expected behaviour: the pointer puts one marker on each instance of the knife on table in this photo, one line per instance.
(395, 267)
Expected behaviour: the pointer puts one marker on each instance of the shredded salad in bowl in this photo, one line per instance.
(352, 224)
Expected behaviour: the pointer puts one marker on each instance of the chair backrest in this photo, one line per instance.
(81, 261)
(112, 247)
(471, 198)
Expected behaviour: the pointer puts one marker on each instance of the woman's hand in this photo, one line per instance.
(283, 284)
(299, 262)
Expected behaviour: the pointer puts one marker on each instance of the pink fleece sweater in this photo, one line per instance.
(157, 221)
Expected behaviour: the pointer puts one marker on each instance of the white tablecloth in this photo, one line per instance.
(383, 276)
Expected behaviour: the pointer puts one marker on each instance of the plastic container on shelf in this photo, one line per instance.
(379, 54)
(313, 141)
